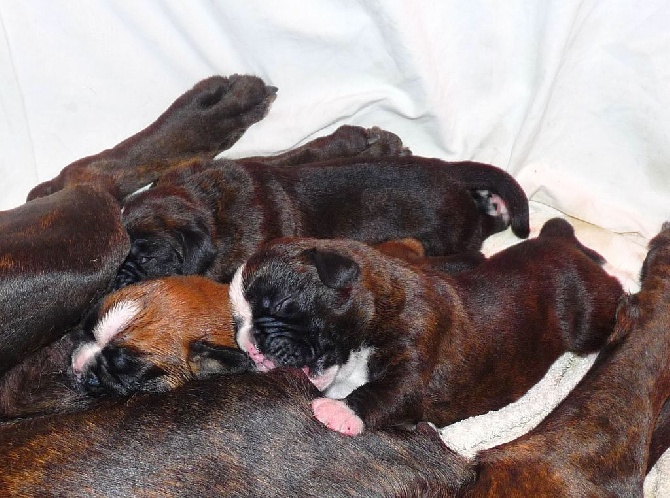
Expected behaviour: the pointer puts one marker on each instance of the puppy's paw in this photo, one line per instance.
(337, 416)
(382, 143)
(212, 115)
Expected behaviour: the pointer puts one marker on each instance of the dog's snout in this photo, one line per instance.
(89, 382)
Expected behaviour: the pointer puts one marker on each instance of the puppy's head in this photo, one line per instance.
(307, 304)
(170, 234)
(155, 335)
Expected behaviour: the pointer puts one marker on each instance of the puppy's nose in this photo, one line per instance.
(91, 381)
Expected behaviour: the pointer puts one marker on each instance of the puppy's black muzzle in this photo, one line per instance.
(120, 372)
(285, 343)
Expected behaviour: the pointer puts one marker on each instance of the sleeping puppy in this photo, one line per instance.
(389, 343)
(597, 441)
(204, 121)
(211, 221)
(155, 336)
(58, 255)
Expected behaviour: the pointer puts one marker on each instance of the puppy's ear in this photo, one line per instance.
(335, 271)
(198, 250)
(206, 360)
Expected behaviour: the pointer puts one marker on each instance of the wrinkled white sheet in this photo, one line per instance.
(571, 97)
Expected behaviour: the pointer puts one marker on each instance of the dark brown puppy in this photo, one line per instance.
(204, 121)
(596, 443)
(58, 255)
(237, 436)
(210, 222)
(154, 336)
(391, 344)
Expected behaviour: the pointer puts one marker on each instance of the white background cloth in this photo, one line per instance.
(570, 96)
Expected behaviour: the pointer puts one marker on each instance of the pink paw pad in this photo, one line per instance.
(498, 207)
(337, 416)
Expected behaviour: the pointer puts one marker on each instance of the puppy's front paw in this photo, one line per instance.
(337, 416)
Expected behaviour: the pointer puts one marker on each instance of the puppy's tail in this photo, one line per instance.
(494, 184)
(558, 227)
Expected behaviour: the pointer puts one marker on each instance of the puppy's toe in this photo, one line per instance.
(382, 143)
(337, 416)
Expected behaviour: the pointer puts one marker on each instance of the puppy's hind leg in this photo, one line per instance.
(201, 123)
(347, 141)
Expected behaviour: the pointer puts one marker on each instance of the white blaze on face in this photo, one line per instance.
(113, 321)
(353, 374)
(241, 312)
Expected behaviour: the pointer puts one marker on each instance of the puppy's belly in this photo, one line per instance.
(353, 374)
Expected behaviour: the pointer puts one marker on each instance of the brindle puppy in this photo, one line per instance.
(597, 442)
(210, 221)
(392, 344)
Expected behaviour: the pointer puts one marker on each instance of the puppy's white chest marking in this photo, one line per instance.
(241, 310)
(353, 374)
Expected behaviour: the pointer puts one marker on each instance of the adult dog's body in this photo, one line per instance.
(237, 436)
(210, 221)
(57, 256)
(413, 344)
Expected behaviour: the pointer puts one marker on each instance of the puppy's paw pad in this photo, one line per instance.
(337, 416)
(493, 205)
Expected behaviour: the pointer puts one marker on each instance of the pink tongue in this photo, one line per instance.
(306, 370)
(263, 363)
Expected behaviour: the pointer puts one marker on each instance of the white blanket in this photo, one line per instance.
(570, 96)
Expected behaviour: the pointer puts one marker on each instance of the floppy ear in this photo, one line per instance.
(335, 271)
(198, 249)
(206, 360)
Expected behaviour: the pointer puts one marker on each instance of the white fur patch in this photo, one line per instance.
(322, 381)
(353, 374)
(138, 191)
(84, 355)
(241, 312)
(114, 321)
